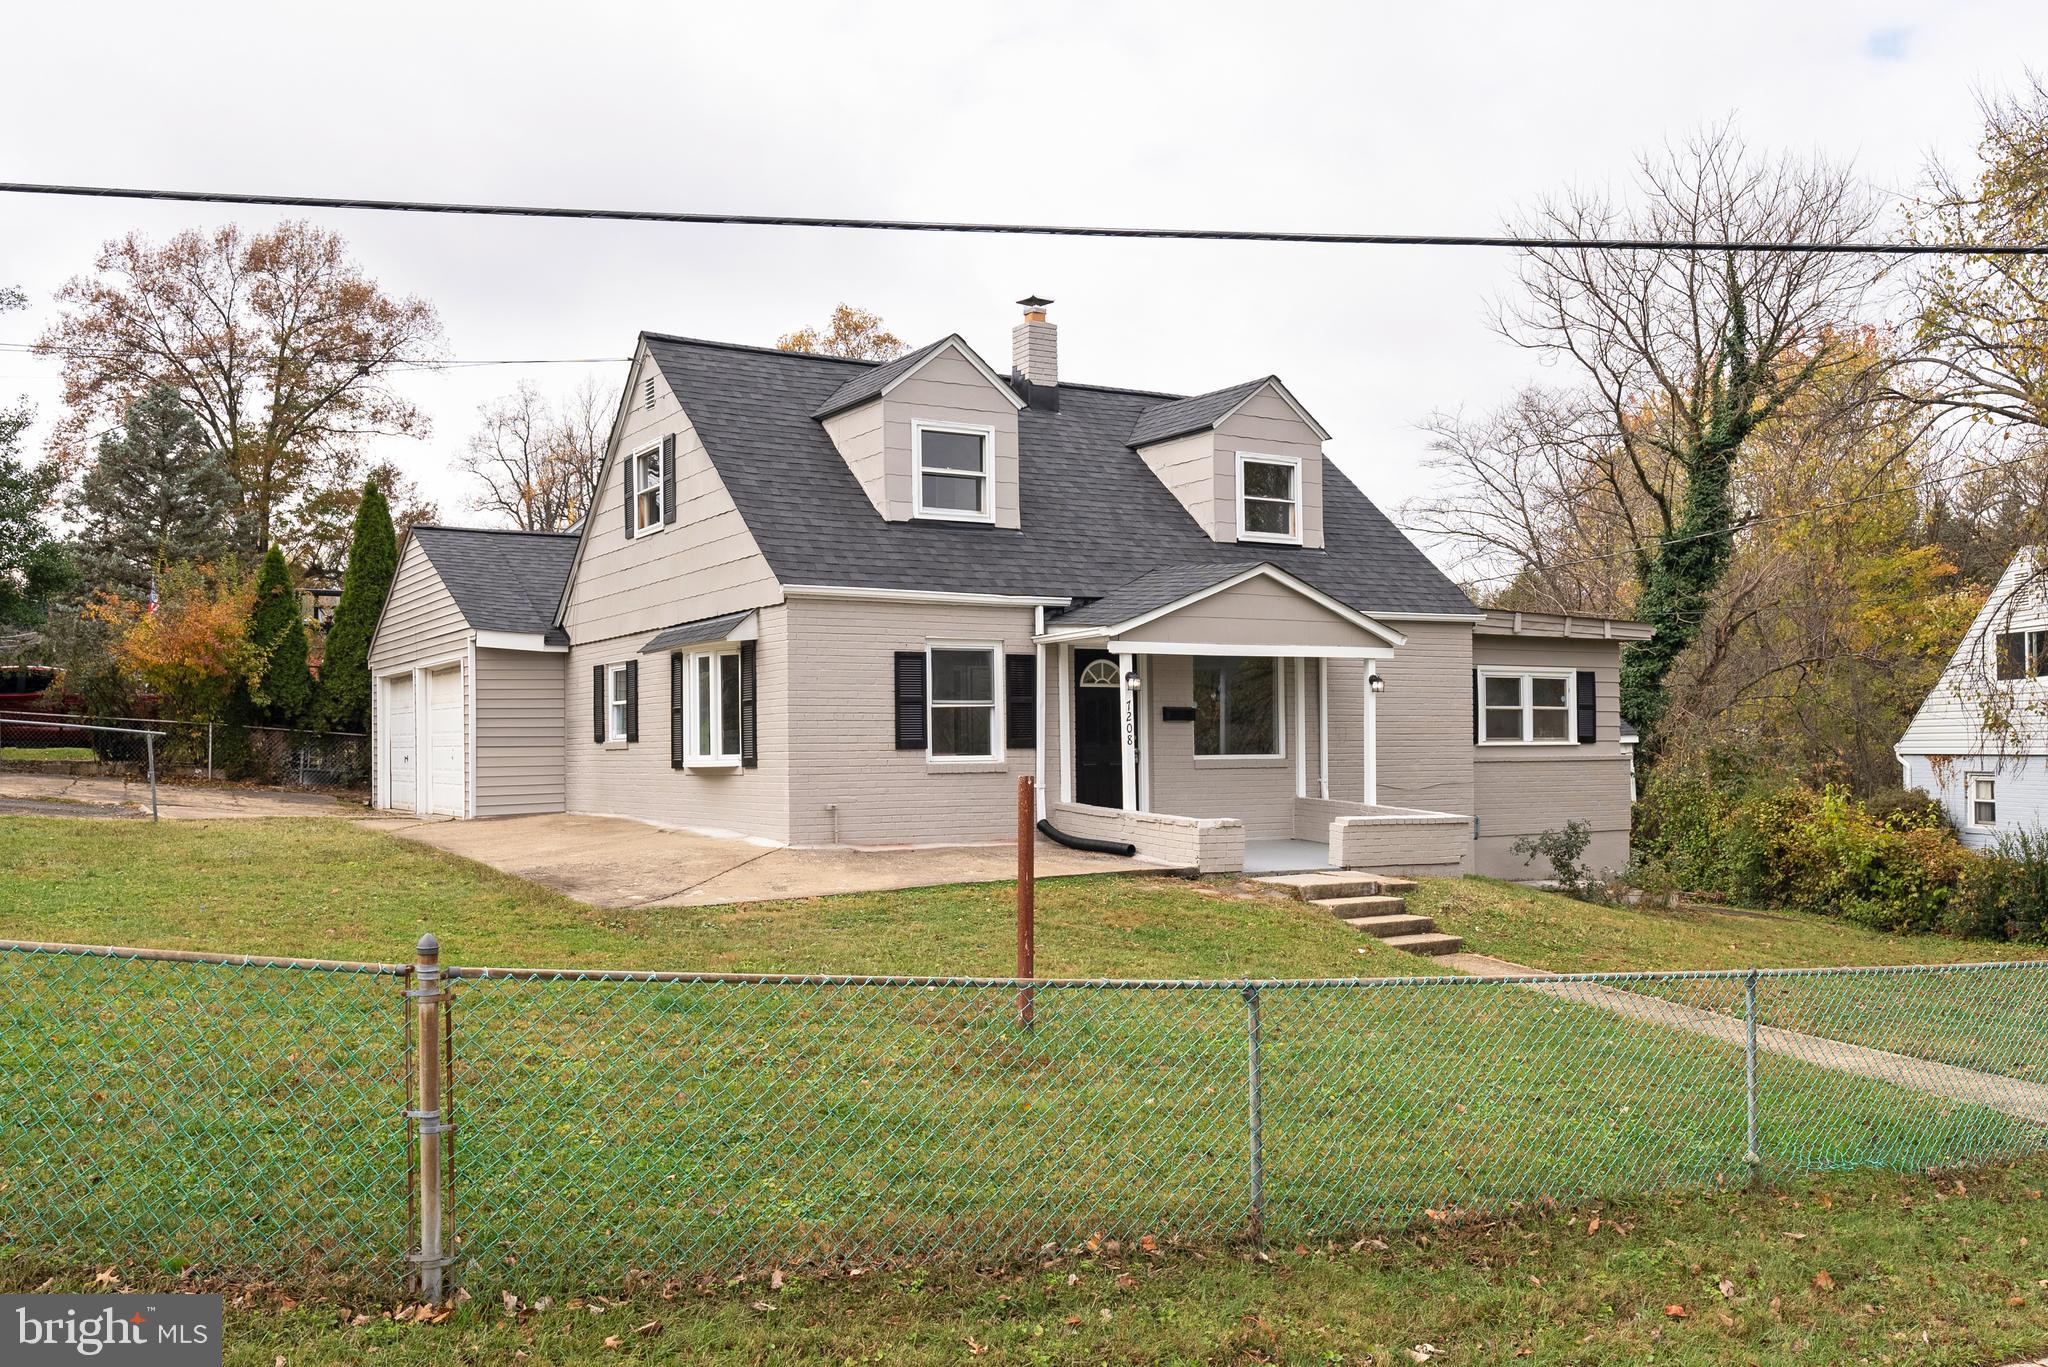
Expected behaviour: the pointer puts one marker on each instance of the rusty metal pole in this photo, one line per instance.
(428, 995)
(1027, 890)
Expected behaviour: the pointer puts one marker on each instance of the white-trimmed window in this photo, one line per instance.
(711, 708)
(1525, 709)
(647, 486)
(960, 683)
(1980, 796)
(1238, 706)
(618, 693)
(1268, 498)
(954, 478)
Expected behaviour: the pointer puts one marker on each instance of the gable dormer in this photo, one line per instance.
(1246, 462)
(931, 436)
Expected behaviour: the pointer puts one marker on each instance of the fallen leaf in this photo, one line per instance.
(2015, 1300)
(649, 1329)
(105, 1277)
(775, 1280)
(511, 1302)
(976, 1348)
(1677, 1312)
(1822, 1281)
(1423, 1352)
(1073, 1319)
(612, 1341)
(1727, 1288)
(763, 1305)
(1593, 1225)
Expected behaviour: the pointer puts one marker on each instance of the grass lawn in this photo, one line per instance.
(613, 1129)
(55, 754)
(1546, 930)
(1872, 1268)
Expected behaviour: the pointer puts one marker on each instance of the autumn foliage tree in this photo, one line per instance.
(851, 332)
(278, 344)
(194, 650)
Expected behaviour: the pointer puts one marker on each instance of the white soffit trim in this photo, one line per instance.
(1263, 570)
(956, 343)
(1429, 616)
(1253, 652)
(1273, 383)
(517, 640)
(922, 596)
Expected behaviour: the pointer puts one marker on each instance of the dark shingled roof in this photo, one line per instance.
(502, 580)
(1165, 421)
(696, 633)
(1094, 514)
(870, 382)
(1150, 592)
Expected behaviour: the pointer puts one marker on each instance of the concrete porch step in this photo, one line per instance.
(1375, 905)
(1430, 945)
(1386, 927)
(1317, 887)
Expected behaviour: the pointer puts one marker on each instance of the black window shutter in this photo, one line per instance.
(1477, 734)
(632, 700)
(2012, 654)
(676, 754)
(668, 478)
(1020, 690)
(910, 729)
(750, 754)
(597, 703)
(1589, 715)
(626, 491)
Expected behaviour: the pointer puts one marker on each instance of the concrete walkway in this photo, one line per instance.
(2023, 1100)
(612, 862)
(64, 795)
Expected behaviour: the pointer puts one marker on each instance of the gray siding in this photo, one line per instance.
(875, 439)
(842, 727)
(636, 780)
(1187, 467)
(421, 621)
(704, 563)
(519, 738)
(1254, 613)
(1267, 425)
(1523, 790)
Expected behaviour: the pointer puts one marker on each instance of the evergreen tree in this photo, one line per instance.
(33, 564)
(284, 694)
(157, 495)
(345, 669)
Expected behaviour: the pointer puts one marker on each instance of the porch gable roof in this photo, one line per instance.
(1162, 592)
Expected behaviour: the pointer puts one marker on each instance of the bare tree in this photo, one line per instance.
(537, 462)
(1686, 352)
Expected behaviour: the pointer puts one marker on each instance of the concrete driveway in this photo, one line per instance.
(609, 862)
(62, 795)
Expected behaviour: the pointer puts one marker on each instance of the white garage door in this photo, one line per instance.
(446, 743)
(401, 739)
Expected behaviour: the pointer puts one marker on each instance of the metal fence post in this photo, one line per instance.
(1749, 1154)
(209, 750)
(149, 740)
(428, 995)
(1252, 1101)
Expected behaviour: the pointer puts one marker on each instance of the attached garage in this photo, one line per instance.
(466, 712)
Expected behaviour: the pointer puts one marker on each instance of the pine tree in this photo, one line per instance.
(157, 495)
(345, 669)
(277, 627)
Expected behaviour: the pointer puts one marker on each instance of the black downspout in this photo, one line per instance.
(1082, 842)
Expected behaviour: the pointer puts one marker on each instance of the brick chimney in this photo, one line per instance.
(1035, 355)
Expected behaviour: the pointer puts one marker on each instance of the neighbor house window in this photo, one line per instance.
(2022, 654)
(954, 476)
(1237, 705)
(1983, 798)
(618, 692)
(1525, 709)
(962, 696)
(713, 707)
(647, 491)
(1268, 498)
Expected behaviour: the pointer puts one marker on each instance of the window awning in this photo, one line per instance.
(732, 626)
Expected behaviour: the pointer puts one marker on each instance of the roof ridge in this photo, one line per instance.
(490, 531)
(767, 350)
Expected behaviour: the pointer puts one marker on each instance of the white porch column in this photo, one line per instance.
(1323, 721)
(1300, 728)
(1064, 659)
(1372, 740)
(1129, 730)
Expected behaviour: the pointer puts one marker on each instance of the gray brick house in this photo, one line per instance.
(821, 601)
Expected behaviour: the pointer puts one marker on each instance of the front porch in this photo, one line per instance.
(1226, 719)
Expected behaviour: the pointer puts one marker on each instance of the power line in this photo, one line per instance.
(403, 363)
(916, 225)
(1871, 497)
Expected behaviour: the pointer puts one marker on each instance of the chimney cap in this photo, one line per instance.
(1032, 301)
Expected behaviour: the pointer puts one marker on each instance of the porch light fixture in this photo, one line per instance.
(1132, 682)
(1376, 683)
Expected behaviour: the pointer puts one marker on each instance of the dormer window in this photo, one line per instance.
(953, 475)
(1268, 498)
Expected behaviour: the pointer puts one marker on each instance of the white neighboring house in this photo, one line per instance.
(1979, 743)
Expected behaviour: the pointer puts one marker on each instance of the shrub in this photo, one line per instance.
(2003, 894)
(1906, 809)
(1565, 850)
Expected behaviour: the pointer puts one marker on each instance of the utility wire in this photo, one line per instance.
(1871, 497)
(916, 225)
(403, 363)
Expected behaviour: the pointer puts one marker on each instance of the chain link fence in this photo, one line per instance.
(273, 755)
(598, 1130)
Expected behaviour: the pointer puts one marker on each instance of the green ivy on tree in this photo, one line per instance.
(345, 669)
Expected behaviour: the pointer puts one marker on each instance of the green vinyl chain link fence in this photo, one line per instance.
(264, 1118)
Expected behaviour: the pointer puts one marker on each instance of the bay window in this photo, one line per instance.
(712, 707)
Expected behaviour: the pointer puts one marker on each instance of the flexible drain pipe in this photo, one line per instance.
(1082, 842)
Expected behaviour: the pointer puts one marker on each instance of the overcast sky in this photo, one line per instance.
(1407, 117)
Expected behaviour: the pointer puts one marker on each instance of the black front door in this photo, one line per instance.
(1098, 722)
